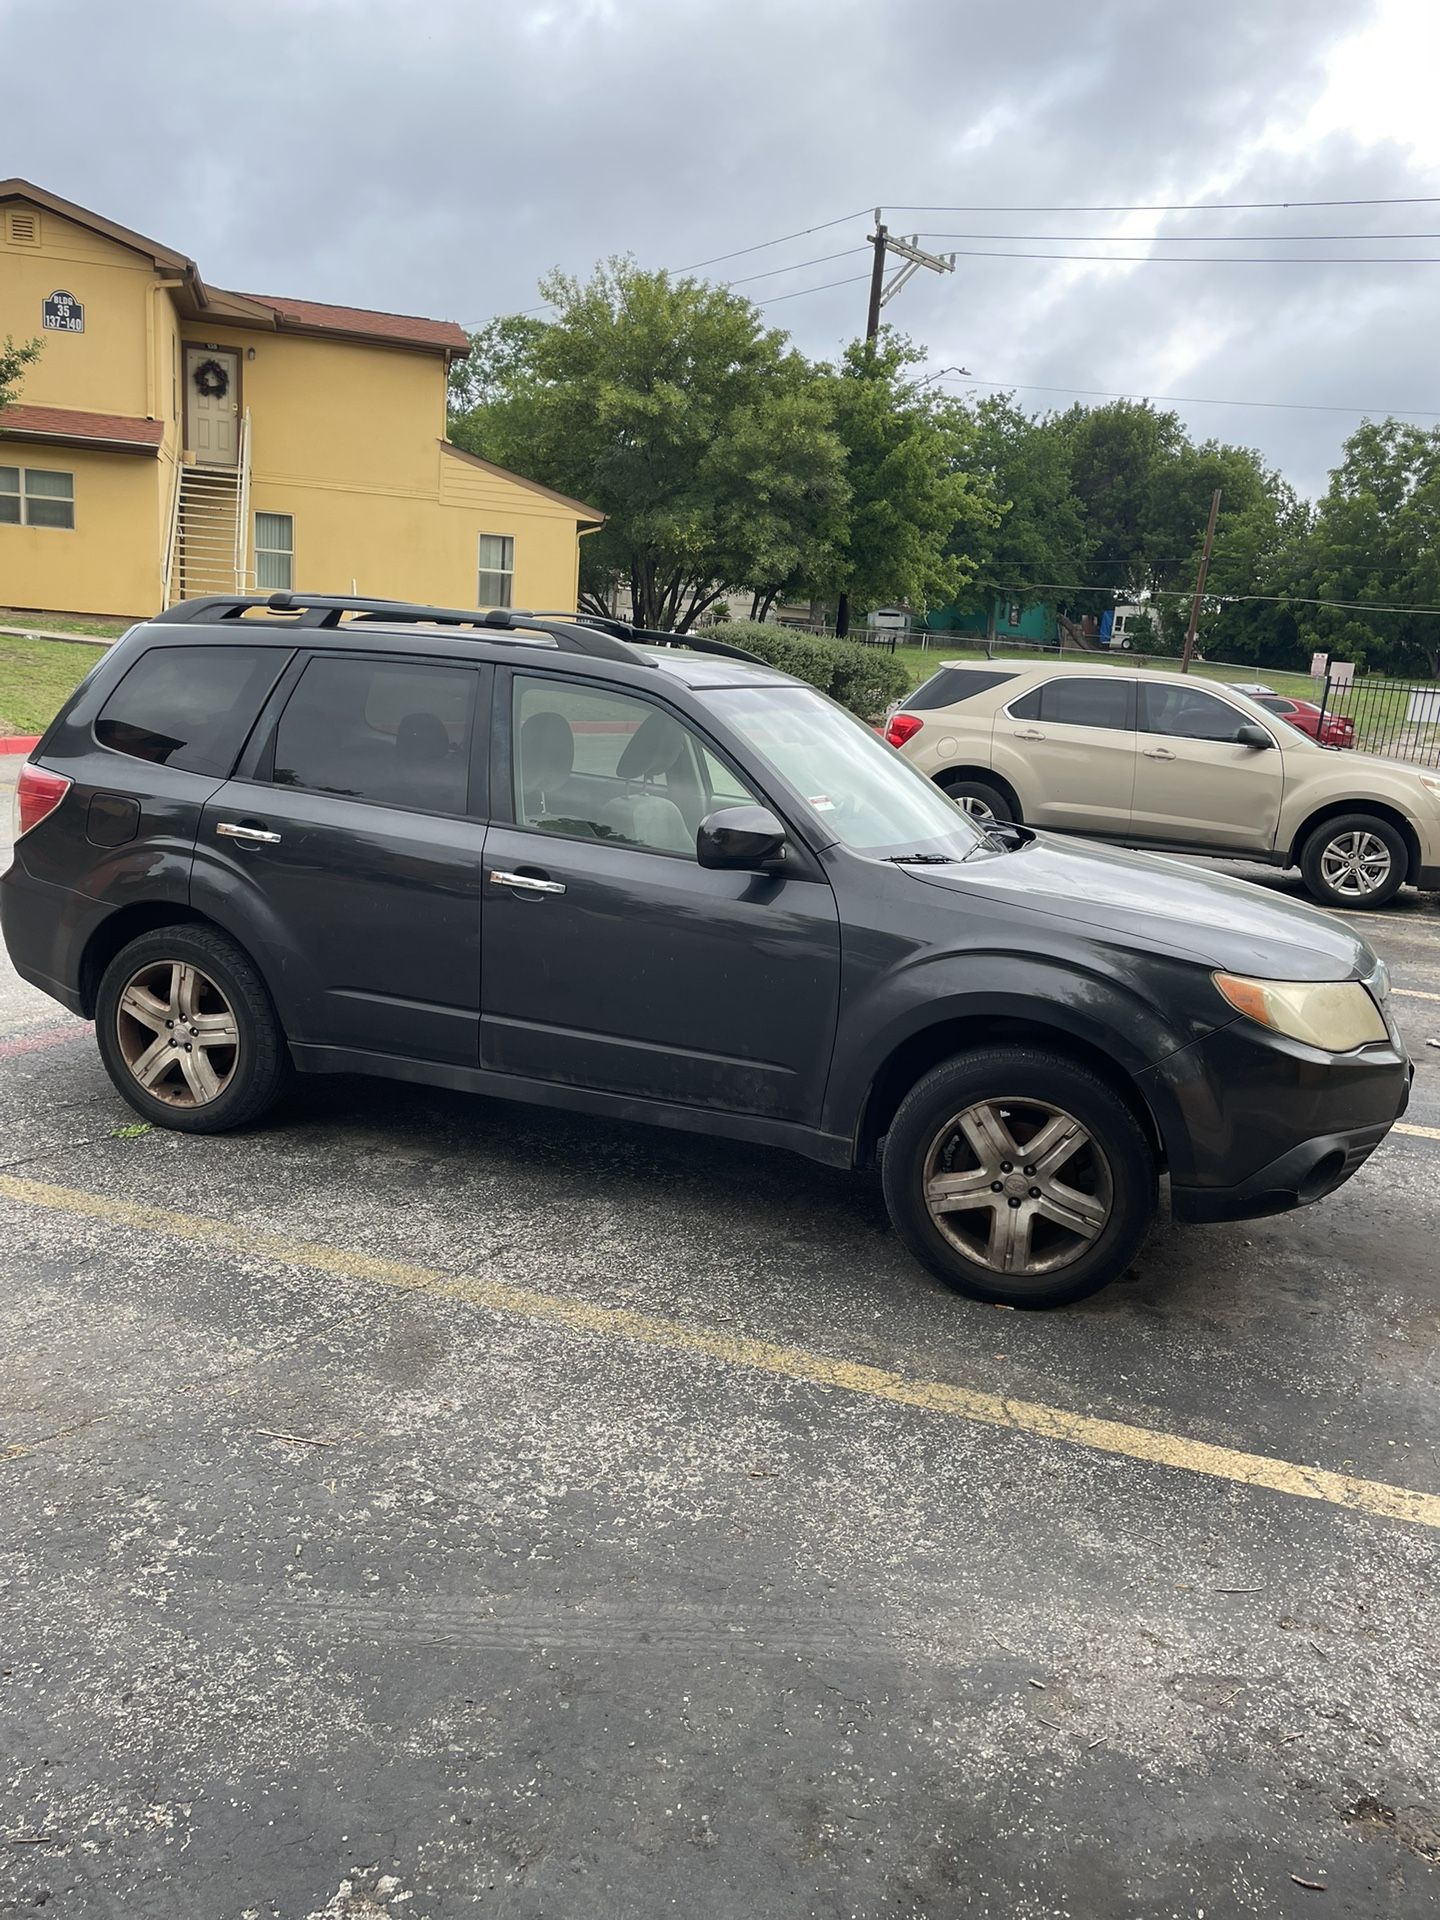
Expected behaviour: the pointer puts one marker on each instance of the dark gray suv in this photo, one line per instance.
(524, 856)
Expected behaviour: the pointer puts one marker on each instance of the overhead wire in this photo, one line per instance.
(1189, 399)
(1181, 206)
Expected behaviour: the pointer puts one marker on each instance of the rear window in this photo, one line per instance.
(951, 685)
(189, 707)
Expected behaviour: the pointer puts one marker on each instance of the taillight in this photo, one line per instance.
(903, 727)
(37, 793)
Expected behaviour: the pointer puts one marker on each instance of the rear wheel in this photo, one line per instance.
(187, 1032)
(1357, 860)
(1018, 1177)
(981, 800)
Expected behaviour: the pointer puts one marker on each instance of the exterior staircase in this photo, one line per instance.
(209, 546)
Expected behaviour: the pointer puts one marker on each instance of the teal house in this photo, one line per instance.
(1004, 619)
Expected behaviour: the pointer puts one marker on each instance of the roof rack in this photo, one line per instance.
(658, 637)
(328, 610)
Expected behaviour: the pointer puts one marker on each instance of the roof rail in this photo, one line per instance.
(658, 637)
(328, 610)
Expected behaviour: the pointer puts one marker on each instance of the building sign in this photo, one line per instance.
(63, 313)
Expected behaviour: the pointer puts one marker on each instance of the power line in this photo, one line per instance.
(759, 245)
(1225, 599)
(1187, 206)
(1196, 399)
(824, 287)
(1217, 259)
(1181, 239)
(797, 266)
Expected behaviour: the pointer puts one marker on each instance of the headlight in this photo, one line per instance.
(1338, 1015)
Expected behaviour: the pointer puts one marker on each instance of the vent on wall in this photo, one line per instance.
(22, 227)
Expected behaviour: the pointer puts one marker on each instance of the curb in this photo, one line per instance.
(19, 742)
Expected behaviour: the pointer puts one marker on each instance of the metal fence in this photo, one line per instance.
(1399, 718)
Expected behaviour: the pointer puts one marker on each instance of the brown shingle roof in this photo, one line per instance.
(67, 423)
(406, 329)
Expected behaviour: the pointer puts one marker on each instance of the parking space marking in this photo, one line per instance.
(1155, 1447)
(1414, 993)
(1421, 1133)
(36, 1041)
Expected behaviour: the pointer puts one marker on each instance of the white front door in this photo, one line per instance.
(212, 405)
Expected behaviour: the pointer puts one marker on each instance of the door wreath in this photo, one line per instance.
(212, 379)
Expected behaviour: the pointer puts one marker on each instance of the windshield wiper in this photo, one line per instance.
(920, 859)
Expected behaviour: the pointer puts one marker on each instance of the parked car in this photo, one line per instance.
(1159, 760)
(1330, 729)
(527, 858)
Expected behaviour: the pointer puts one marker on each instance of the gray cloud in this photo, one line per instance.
(439, 158)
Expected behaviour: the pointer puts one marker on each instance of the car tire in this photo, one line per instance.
(188, 1032)
(1356, 861)
(980, 799)
(1079, 1219)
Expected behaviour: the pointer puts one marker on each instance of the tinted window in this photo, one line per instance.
(189, 707)
(1185, 713)
(1098, 701)
(951, 685)
(595, 765)
(1273, 703)
(390, 732)
(1101, 701)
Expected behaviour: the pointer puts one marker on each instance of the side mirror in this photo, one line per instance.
(745, 837)
(1251, 735)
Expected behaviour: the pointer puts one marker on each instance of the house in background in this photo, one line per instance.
(1004, 619)
(175, 439)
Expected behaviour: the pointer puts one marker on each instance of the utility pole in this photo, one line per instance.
(880, 296)
(1189, 653)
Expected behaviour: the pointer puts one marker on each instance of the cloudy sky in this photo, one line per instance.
(438, 157)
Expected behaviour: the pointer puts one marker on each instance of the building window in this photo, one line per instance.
(36, 497)
(497, 570)
(274, 551)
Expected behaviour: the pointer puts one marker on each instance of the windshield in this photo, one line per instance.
(871, 799)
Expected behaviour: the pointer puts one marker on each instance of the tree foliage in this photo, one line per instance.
(13, 362)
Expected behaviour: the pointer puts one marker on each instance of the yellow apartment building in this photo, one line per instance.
(176, 439)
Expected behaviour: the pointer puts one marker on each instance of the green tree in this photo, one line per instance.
(1037, 544)
(13, 362)
(916, 504)
(670, 406)
(499, 353)
(1376, 538)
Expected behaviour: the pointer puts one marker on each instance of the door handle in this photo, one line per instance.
(525, 882)
(257, 836)
(1157, 753)
(1030, 733)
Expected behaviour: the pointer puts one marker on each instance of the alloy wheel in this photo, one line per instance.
(1356, 864)
(977, 809)
(1018, 1186)
(178, 1033)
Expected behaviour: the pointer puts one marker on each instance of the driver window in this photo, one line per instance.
(590, 764)
(1184, 713)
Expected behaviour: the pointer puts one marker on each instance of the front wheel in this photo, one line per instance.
(1357, 861)
(1019, 1177)
(187, 1031)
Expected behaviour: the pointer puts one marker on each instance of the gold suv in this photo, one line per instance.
(1161, 760)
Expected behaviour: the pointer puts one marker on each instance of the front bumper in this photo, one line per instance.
(1253, 1123)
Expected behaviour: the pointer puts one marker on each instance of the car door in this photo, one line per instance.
(1069, 747)
(1195, 785)
(610, 958)
(346, 853)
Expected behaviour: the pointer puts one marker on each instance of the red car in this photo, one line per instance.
(1330, 729)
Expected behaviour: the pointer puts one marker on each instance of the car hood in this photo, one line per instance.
(1232, 925)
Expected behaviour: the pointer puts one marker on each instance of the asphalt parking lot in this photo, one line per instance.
(421, 1507)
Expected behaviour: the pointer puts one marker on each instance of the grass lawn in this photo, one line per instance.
(35, 676)
(64, 623)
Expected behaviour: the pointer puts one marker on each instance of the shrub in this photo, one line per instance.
(865, 679)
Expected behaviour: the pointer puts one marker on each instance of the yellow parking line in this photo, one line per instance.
(1414, 993)
(1376, 1498)
(1421, 1133)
